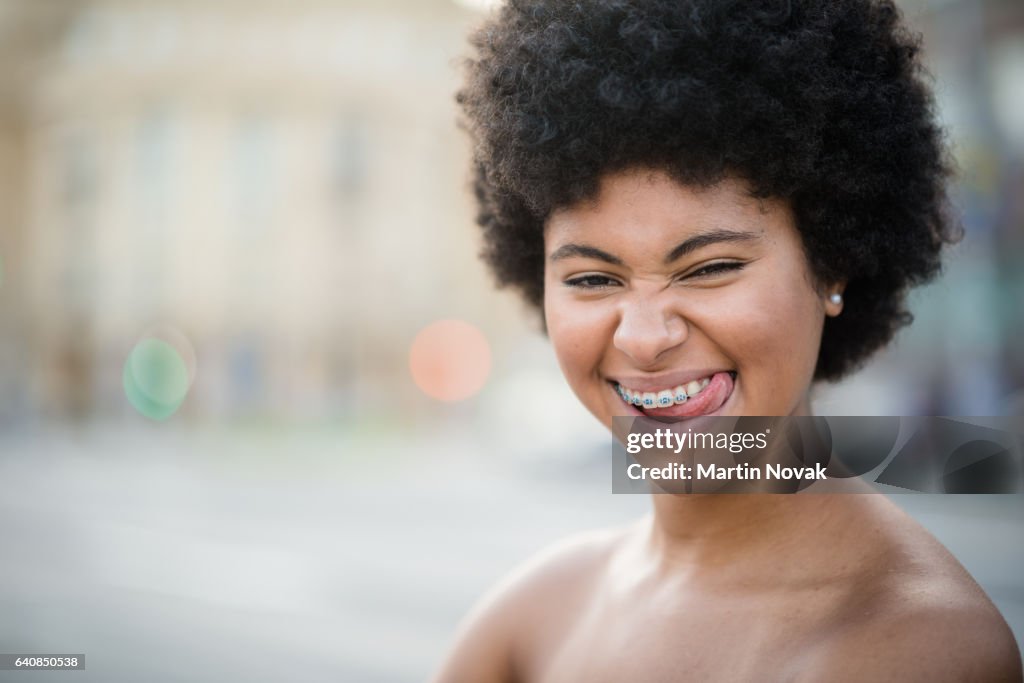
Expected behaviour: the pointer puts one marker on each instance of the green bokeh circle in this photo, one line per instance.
(155, 379)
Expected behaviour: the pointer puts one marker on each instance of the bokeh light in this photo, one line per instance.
(157, 376)
(450, 360)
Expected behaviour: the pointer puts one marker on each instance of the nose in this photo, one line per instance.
(648, 328)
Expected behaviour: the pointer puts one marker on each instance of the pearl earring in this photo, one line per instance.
(836, 298)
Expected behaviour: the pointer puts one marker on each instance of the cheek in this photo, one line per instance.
(769, 329)
(577, 334)
(787, 325)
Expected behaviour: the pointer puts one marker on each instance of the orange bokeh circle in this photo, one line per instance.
(450, 360)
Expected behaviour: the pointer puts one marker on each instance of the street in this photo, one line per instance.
(168, 555)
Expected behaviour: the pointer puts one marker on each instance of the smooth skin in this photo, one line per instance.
(718, 587)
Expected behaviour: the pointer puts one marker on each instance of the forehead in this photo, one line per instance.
(652, 205)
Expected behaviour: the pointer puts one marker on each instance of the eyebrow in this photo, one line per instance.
(698, 241)
(585, 251)
(706, 238)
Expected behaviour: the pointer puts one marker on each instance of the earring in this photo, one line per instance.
(836, 298)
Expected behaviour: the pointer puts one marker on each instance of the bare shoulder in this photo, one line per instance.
(497, 633)
(930, 637)
(922, 618)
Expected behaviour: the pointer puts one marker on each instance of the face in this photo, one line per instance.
(688, 301)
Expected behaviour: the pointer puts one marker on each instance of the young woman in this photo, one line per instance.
(727, 200)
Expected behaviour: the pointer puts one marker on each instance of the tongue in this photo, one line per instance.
(707, 401)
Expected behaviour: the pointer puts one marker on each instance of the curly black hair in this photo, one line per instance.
(823, 103)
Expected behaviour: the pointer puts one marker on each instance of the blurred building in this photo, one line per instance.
(282, 182)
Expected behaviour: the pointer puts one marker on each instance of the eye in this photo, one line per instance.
(716, 269)
(590, 282)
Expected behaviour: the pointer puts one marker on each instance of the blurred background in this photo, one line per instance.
(262, 413)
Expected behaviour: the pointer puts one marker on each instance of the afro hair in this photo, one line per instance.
(822, 103)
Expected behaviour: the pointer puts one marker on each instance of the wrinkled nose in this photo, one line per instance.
(648, 328)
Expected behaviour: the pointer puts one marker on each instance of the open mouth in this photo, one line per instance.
(698, 397)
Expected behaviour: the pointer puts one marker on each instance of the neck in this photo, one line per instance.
(731, 524)
(716, 527)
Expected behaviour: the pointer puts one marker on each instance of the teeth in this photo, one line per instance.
(665, 397)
